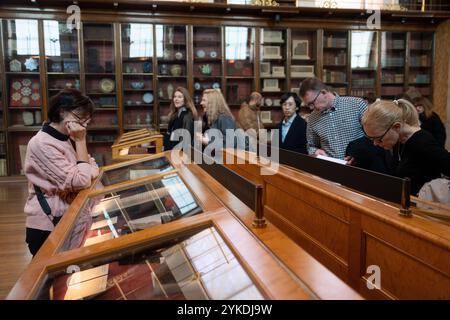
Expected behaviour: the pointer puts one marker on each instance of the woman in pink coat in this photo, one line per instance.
(57, 164)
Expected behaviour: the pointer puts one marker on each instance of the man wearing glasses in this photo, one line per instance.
(335, 120)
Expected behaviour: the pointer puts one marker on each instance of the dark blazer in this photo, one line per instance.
(295, 137)
(184, 121)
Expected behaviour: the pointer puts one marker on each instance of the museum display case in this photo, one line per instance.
(136, 143)
(172, 238)
(363, 231)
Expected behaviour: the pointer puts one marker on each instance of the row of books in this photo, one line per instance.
(419, 78)
(394, 44)
(331, 41)
(392, 78)
(420, 61)
(339, 59)
(3, 171)
(392, 62)
(334, 76)
(420, 44)
(363, 83)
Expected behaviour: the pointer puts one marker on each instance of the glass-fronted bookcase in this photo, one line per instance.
(131, 70)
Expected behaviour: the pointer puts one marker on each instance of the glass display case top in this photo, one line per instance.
(134, 171)
(114, 214)
(196, 266)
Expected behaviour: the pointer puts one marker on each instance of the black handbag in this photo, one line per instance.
(44, 205)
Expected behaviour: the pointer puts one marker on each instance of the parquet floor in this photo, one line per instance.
(14, 254)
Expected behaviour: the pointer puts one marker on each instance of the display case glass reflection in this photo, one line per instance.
(196, 266)
(135, 171)
(136, 208)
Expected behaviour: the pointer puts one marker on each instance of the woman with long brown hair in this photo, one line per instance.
(217, 112)
(182, 115)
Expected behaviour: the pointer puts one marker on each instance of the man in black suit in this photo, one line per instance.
(292, 128)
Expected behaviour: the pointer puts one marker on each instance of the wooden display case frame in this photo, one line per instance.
(121, 146)
(266, 268)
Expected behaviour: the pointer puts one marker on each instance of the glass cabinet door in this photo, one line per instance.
(303, 57)
(196, 265)
(420, 65)
(101, 88)
(273, 72)
(364, 63)
(335, 51)
(137, 66)
(171, 54)
(62, 60)
(131, 209)
(239, 64)
(22, 56)
(393, 48)
(207, 60)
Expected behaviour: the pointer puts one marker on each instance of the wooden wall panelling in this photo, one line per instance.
(441, 70)
(372, 231)
(409, 264)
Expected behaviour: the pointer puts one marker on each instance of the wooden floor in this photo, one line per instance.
(14, 254)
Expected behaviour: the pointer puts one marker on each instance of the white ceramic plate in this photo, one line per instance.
(147, 97)
(201, 53)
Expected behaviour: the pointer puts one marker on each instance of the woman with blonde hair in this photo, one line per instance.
(217, 112)
(182, 114)
(429, 120)
(394, 125)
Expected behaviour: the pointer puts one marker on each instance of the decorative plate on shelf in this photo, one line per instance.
(25, 92)
(15, 66)
(213, 54)
(216, 85)
(31, 64)
(178, 55)
(107, 85)
(200, 53)
(268, 102)
(147, 97)
(197, 86)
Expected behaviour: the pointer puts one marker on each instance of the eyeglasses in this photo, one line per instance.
(82, 122)
(379, 139)
(312, 104)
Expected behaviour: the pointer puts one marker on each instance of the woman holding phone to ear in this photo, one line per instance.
(57, 164)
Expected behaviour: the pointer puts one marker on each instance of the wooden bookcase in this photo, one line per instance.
(130, 64)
